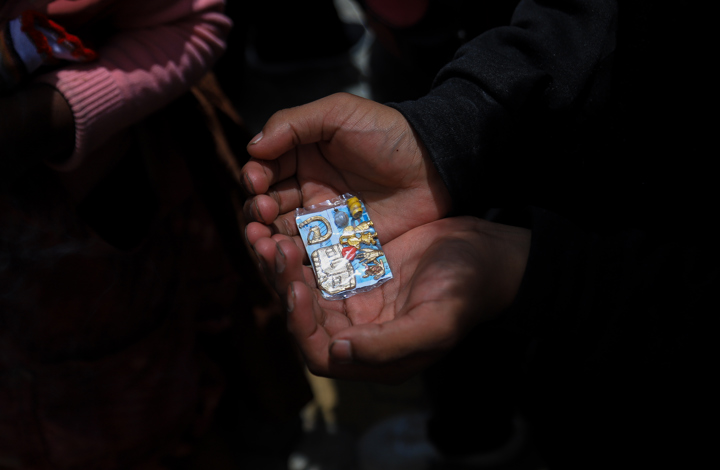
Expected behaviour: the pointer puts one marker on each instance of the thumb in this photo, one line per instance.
(407, 337)
(306, 124)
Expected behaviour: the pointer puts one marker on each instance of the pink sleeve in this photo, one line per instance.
(161, 49)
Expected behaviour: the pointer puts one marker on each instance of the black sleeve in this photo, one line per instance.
(619, 292)
(549, 70)
(526, 81)
(639, 291)
(624, 343)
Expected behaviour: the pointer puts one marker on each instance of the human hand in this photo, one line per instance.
(342, 144)
(448, 276)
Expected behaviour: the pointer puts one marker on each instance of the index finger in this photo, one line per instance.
(306, 124)
(260, 175)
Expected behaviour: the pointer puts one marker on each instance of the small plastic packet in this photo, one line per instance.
(32, 41)
(343, 248)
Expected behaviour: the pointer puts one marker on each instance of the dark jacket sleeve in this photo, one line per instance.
(628, 283)
(642, 295)
(624, 342)
(622, 276)
(530, 80)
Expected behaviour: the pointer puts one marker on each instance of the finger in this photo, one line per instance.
(283, 266)
(422, 333)
(259, 175)
(265, 250)
(300, 246)
(288, 263)
(262, 208)
(391, 373)
(303, 325)
(282, 198)
(305, 124)
(254, 231)
(251, 210)
(285, 224)
(290, 267)
(287, 195)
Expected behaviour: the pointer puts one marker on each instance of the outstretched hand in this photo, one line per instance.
(342, 144)
(449, 275)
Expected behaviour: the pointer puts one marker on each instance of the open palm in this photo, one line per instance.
(448, 276)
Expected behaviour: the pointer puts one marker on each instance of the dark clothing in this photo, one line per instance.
(575, 96)
(415, 39)
(589, 113)
(124, 317)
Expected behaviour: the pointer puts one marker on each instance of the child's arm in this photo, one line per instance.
(160, 49)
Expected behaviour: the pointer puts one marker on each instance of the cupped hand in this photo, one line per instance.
(342, 144)
(449, 275)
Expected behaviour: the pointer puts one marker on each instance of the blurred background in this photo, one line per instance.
(136, 331)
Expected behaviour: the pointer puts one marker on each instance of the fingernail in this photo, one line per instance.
(257, 212)
(291, 299)
(256, 139)
(279, 260)
(261, 262)
(248, 184)
(341, 351)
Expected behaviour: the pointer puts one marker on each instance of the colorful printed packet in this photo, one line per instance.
(343, 248)
(31, 41)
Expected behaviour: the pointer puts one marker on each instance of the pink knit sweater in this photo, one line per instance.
(157, 50)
